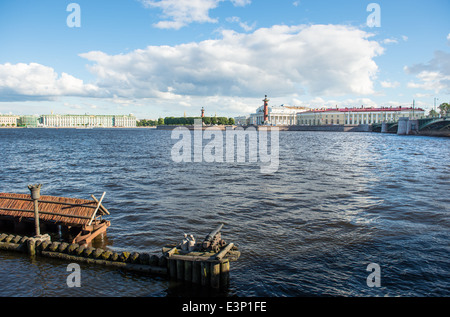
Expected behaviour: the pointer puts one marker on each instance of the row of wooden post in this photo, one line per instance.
(215, 274)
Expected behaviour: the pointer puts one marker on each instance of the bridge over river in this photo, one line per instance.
(428, 126)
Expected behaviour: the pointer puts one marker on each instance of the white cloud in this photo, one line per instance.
(241, 3)
(183, 12)
(180, 13)
(419, 95)
(281, 60)
(432, 81)
(434, 75)
(394, 40)
(390, 41)
(38, 82)
(243, 25)
(388, 84)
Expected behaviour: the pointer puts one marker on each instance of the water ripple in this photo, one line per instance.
(338, 202)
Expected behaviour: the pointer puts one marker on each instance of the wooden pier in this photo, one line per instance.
(206, 263)
(202, 268)
(81, 216)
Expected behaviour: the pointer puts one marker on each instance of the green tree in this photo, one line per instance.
(161, 121)
(433, 113)
(231, 121)
(444, 109)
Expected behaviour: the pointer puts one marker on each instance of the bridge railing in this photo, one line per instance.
(428, 121)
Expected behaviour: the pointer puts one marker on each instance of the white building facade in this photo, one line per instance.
(99, 121)
(357, 116)
(283, 115)
(8, 120)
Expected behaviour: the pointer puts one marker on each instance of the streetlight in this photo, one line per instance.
(435, 105)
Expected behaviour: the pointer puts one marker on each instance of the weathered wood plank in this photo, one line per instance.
(46, 213)
(224, 252)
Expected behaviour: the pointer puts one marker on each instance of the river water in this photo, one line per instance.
(338, 202)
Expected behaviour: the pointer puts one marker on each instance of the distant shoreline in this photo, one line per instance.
(78, 128)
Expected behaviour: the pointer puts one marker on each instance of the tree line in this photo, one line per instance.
(149, 123)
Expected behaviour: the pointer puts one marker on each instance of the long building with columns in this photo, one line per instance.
(286, 115)
(102, 121)
(356, 116)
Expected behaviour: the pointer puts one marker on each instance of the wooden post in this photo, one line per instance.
(180, 270)
(31, 244)
(225, 273)
(215, 275)
(196, 272)
(36, 218)
(188, 271)
(35, 195)
(205, 273)
(173, 269)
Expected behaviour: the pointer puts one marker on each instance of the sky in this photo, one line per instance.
(159, 58)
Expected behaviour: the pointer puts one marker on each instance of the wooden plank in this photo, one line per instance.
(101, 206)
(232, 255)
(192, 258)
(171, 252)
(224, 252)
(98, 206)
(51, 202)
(188, 253)
(46, 213)
(94, 234)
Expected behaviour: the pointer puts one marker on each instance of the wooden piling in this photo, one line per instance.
(188, 271)
(215, 275)
(173, 269)
(204, 268)
(31, 244)
(196, 272)
(205, 273)
(225, 273)
(180, 270)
